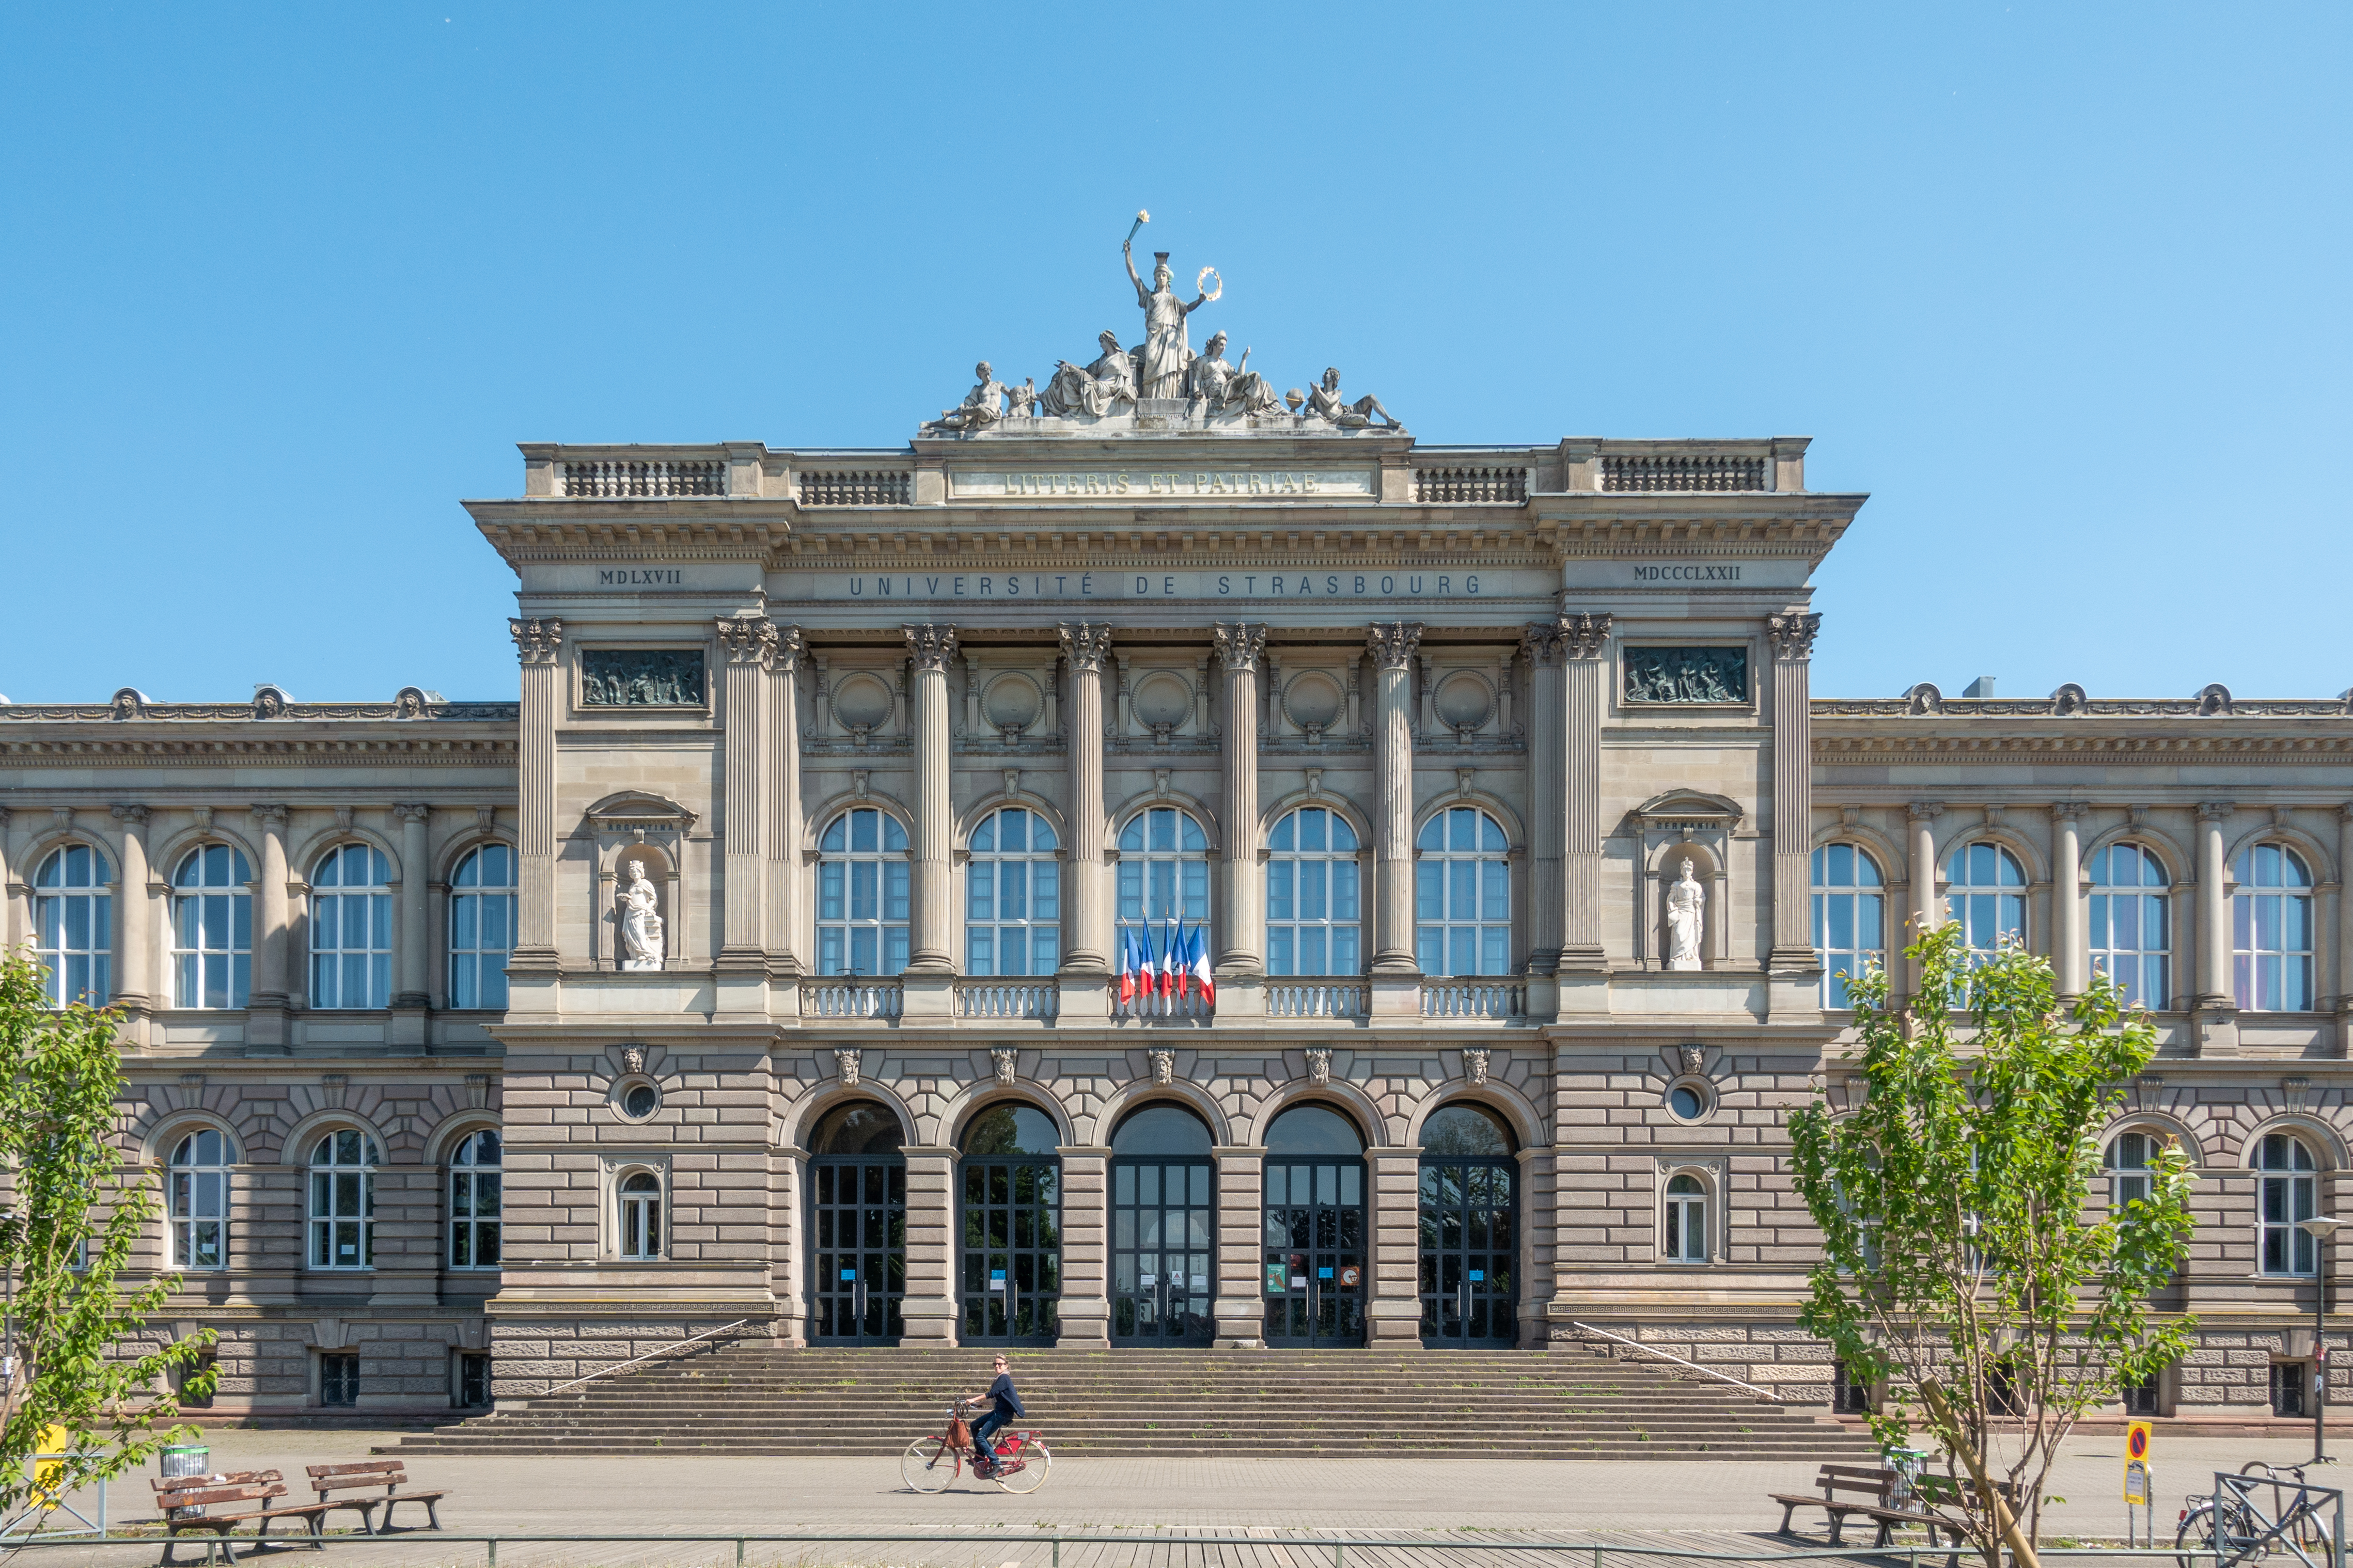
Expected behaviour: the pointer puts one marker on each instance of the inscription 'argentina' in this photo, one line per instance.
(636, 577)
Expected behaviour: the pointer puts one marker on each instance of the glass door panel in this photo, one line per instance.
(857, 1249)
(1469, 1222)
(1315, 1258)
(1012, 1248)
(1163, 1223)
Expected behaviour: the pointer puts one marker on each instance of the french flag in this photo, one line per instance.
(1135, 964)
(1197, 960)
(1173, 968)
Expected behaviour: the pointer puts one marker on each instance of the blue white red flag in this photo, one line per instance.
(1196, 954)
(1172, 960)
(1132, 962)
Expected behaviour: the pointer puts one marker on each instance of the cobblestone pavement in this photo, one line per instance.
(1718, 1506)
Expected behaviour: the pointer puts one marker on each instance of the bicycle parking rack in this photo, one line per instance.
(2262, 1532)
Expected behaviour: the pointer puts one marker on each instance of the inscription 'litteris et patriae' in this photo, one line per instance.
(1166, 484)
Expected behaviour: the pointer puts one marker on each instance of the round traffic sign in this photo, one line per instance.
(2137, 1442)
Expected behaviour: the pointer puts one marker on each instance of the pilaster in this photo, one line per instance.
(1393, 1311)
(1791, 635)
(2070, 955)
(1240, 915)
(747, 644)
(1085, 1309)
(931, 648)
(1585, 686)
(538, 648)
(2344, 932)
(265, 1019)
(412, 996)
(1392, 645)
(1920, 817)
(134, 929)
(1240, 1304)
(1086, 951)
(780, 813)
(1544, 642)
(929, 1309)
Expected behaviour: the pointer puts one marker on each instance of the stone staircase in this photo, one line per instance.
(1569, 1404)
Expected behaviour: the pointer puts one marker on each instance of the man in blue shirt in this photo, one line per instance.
(1004, 1405)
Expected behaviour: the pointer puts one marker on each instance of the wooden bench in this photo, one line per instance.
(1873, 1486)
(166, 1484)
(243, 1499)
(389, 1474)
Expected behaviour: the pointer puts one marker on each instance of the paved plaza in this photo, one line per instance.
(1715, 1507)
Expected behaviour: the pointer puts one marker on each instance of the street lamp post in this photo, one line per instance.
(2319, 1227)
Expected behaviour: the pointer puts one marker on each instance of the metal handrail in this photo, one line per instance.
(660, 1349)
(1669, 1356)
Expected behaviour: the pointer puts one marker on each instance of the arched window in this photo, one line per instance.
(2289, 1178)
(1013, 896)
(1984, 895)
(641, 1216)
(862, 894)
(195, 1200)
(342, 1200)
(2131, 937)
(2128, 1157)
(1462, 895)
(212, 928)
(1850, 919)
(73, 917)
(474, 1201)
(1164, 871)
(481, 926)
(1686, 1240)
(2272, 921)
(1313, 910)
(351, 928)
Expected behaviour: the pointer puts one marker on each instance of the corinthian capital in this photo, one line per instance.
(1392, 643)
(1792, 634)
(536, 640)
(748, 639)
(785, 653)
(932, 646)
(1541, 641)
(1583, 634)
(1086, 647)
(1239, 643)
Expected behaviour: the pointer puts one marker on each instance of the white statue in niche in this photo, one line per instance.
(641, 922)
(1686, 916)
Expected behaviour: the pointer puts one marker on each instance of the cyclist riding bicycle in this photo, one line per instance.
(1004, 1405)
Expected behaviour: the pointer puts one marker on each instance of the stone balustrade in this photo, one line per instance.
(850, 996)
(1498, 1001)
(615, 477)
(1007, 999)
(1190, 1005)
(1681, 473)
(1315, 999)
(1498, 486)
(856, 487)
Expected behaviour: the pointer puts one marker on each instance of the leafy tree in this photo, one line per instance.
(1970, 1259)
(75, 1217)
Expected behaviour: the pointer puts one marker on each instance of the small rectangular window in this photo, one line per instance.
(2141, 1398)
(1849, 1394)
(473, 1381)
(206, 1362)
(339, 1379)
(2288, 1388)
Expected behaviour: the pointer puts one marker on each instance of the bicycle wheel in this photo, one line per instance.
(1035, 1462)
(2195, 1539)
(929, 1465)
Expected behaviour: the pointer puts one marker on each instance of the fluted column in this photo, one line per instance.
(2069, 957)
(780, 830)
(270, 922)
(1240, 646)
(748, 644)
(412, 986)
(1085, 648)
(2344, 931)
(1547, 816)
(1792, 639)
(1392, 645)
(538, 646)
(2214, 987)
(1925, 917)
(1584, 684)
(932, 647)
(134, 932)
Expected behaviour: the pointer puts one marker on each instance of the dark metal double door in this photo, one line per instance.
(1164, 1223)
(1318, 1271)
(1469, 1220)
(1012, 1247)
(857, 1233)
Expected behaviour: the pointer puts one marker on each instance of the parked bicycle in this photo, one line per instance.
(1019, 1458)
(2226, 1529)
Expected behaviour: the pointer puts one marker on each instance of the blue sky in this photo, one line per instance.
(2063, 287)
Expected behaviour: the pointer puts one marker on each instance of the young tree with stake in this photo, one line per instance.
(74, 1218)
(1970, 1259)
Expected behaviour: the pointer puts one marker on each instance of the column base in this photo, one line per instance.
(409, 1027)
(267, 1031)
(2214, 1028)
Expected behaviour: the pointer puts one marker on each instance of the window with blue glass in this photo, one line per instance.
(2131, 934)
(212, 928)
(1163, 869)
(351, 928)
(2272, 929)
(1462, 895)
(481, 926)
(1013, 896)
(1313, 908)
(1850, 919)
(862, 879)
(1984, 895)
(73, 921)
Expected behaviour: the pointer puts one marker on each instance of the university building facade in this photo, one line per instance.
(762, 964)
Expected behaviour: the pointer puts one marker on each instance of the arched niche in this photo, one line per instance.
(632, 829)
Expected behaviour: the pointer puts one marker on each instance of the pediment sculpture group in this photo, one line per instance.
(1163, 368)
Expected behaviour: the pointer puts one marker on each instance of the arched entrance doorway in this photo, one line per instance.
(1469, 1220)
(1011, 1225)
(858, 1225)
(1164, 1226)
(1316, 1262)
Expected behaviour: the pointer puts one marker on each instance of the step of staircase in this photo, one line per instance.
(760, 1400)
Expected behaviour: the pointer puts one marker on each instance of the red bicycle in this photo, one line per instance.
(930, 1463)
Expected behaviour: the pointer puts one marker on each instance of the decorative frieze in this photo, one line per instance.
(646, 677)
(1686, 674)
